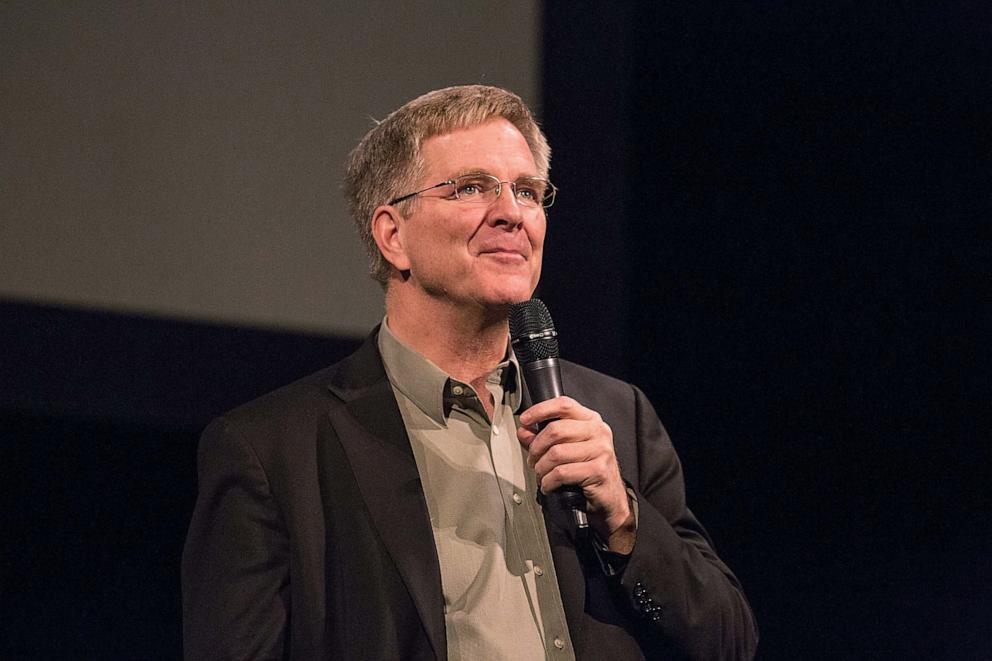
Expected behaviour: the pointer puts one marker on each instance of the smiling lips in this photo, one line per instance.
(505, 252)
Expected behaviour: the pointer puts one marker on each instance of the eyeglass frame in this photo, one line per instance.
(499, 189)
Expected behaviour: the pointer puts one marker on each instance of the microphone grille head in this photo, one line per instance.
(532, 332)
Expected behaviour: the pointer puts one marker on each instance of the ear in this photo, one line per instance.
(386, 232)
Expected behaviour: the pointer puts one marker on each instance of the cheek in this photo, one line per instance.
(435, 240)
(441, 255)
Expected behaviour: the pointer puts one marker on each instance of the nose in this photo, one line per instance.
(505, 210)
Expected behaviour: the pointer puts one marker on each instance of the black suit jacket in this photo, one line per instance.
(311, 537)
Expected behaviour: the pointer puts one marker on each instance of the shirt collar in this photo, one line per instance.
(428, 386)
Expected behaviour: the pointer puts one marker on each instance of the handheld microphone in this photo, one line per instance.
(535, 343)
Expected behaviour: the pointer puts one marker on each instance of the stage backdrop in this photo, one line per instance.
(186, 160)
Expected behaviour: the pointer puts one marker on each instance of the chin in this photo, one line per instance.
(508, 287)
(504, 296)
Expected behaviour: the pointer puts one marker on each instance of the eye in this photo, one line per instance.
(530, 190)
(469, 189)
(526, 192)
(473, 187)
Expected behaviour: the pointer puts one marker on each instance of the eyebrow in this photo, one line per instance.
(467, 171)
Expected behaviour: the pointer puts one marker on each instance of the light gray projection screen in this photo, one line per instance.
(185, 159)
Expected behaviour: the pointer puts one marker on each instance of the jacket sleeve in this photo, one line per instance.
(684, 596)
(235, 566)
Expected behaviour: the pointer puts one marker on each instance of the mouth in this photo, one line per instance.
(504, 254)
(500, 251)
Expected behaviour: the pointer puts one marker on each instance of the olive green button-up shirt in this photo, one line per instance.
(501, 598)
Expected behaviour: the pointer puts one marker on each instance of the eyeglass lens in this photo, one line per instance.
(485, 188)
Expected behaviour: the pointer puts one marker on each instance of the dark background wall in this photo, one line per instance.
(772, 218)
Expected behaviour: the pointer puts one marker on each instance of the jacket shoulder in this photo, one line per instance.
(586, 374)
(590, 387)
(300, 401)
(290, 400)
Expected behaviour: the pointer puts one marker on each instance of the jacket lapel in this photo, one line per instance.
(370, 429)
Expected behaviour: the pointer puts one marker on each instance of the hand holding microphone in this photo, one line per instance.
(569, 446)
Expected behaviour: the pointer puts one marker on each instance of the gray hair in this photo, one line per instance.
(387, 162)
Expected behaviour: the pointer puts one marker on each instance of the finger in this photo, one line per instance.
(526, 436)
(566, 453)
(559, 407)
(571, 431)
(559, 432)
(576, 474)
(598, 459)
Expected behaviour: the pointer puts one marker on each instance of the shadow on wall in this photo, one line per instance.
(99, 421)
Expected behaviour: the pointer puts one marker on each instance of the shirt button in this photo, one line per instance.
(559, 643)
(517, 499)
(539, 571)
(496, 430)
(457, 390)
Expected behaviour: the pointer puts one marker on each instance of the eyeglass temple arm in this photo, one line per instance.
(414, 194)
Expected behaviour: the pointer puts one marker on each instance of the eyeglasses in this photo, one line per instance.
(484, 189)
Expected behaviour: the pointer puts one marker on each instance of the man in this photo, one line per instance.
(385, 507)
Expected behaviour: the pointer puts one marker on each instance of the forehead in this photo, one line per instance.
(496, 147)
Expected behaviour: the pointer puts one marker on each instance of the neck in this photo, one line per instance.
(466, 341)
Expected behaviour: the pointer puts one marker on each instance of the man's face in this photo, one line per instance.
(475, 255)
